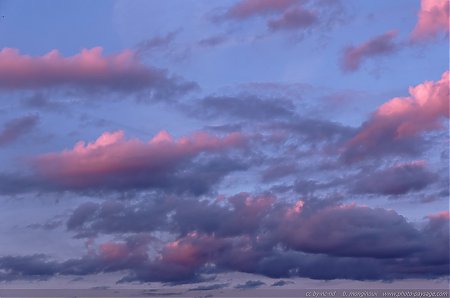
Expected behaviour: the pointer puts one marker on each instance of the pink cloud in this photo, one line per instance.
(132, 251)
(114, 251)
(403, 118)
(88, 70)
(191, 250)
(433, 19)
(378, 46)
(443, 215)
(249, 8)
(112, 159)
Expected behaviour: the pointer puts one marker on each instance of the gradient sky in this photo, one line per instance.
(224, 143)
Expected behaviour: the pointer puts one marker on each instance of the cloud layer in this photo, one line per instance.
(245, 233)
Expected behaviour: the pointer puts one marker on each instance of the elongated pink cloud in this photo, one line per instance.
(433, 18)
(113, 160)
(395, 123)
(249, 8)
(378, 46)
(88, 70)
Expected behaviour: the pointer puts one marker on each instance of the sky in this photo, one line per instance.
(229, 144)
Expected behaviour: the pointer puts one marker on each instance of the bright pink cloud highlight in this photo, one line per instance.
(433, 18)
(404, 117)
(114, 159)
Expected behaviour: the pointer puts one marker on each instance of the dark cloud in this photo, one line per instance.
(253, 234)
(250, 284)
(281, 283)
(210, 287)
(246, 107)
(331, 251)
(396, 180)
(16, 128)
(40, 101)
(245, 9)
(284, 14)
(293, 19)
(315, 130)
(156, 44)
(213, 41)
(352, 231)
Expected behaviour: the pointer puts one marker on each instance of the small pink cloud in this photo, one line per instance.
(433, 19)
(380, 45)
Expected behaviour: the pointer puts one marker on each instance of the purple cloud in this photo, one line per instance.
(14, 129)
(399, 179)
(381, 45)
(293, 19)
